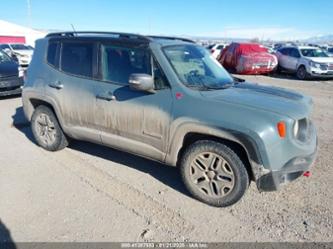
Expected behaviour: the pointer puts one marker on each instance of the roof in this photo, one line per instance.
(163, 40)
(306, 47)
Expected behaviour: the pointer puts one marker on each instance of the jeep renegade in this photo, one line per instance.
(169, 100)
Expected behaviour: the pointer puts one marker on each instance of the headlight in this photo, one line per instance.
(314, 64)
(296, 128)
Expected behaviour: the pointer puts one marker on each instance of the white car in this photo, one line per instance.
(306, 62)
(330, 51)
(216, 49)
(22, 52)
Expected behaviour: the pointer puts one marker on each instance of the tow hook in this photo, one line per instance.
(307, 174)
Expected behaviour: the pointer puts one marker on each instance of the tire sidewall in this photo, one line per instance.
(58, 136)
(240, 173)
(298, 73)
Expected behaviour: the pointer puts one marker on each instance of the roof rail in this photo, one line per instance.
(119, 34)
(78, 33)
(171, 38)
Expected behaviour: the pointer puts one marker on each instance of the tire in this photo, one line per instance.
(221, 184)
(46, 129)
(278, 69)
(301, 73)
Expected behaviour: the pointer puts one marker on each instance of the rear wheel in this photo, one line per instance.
(46, 129)
(213, 173)
(301, 73)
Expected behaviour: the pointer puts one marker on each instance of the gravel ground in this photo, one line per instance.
(92, 193)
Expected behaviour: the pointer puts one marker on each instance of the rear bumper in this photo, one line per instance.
(292, 170)
(10, 86)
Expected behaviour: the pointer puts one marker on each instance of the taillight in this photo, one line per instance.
(282, 129)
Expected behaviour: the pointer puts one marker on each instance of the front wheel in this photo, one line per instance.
(301, 73)
(213, 173)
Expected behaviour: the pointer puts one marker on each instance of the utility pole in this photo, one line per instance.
(29, 13)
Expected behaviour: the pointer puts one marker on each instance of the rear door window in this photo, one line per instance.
(284, 51)
(294, 53)
(77, 58)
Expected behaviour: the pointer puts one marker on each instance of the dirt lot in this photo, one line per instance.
(92, 193)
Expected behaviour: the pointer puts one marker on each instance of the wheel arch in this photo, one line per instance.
(34, 102)
(192, 137)
(243, 146)
(301, 65)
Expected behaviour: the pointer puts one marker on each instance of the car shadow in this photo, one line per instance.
(10, 97)
(166, 174)
(290, 76)
(6, 240)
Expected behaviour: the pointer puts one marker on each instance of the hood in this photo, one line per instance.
(267, 98)
(8, 68)
(24, 52)
(321, 59)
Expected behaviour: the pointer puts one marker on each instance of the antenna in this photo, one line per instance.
(74, 29)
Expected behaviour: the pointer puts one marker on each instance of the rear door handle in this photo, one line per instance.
(57, 85)
(108, 96)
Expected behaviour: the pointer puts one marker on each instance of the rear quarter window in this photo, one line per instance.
(53, 54)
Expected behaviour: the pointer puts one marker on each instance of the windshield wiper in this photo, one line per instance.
(238, 80)
(225, 86)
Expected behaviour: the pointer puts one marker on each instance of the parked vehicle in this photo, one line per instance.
(167, 99)
(216, 49)
(306, 62)
(10, 82)
(330, 51)
(283, 44)
(22, 52)
(248, 58)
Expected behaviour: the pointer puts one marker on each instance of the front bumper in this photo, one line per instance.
(318, 73)
(292, 170)
(10, 85)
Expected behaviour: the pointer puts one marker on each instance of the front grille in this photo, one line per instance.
(330, 67)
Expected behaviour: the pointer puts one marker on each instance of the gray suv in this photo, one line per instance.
(169, 100)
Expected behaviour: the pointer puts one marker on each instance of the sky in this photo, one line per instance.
(274, 19)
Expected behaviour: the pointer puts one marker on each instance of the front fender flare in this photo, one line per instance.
(251, 144)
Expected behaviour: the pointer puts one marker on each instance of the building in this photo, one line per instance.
(12, 33)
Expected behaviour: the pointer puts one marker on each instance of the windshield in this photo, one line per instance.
(312, 52)
(4, 57)
(19, 47)
(195, 67)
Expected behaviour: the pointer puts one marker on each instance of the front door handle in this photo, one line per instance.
(57, 85)
(108, 96)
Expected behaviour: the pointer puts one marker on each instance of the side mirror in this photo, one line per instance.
(141, 82)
